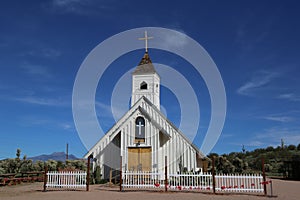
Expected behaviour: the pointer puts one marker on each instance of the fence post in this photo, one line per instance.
(45, 178)
(110, 177)
(88, 173)
(213, 175)
(121, 180)
(264, 175)
(271, 182)
(166, 173)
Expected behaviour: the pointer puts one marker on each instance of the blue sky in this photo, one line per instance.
(255, 45)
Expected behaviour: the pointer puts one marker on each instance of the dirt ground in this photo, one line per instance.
(289, 190)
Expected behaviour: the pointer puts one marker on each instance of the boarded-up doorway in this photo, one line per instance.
(139, 159)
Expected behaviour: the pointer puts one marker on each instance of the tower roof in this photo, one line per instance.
(145, 66)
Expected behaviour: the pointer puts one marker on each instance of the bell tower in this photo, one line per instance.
(145, 80)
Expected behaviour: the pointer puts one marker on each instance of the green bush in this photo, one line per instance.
(97, 175)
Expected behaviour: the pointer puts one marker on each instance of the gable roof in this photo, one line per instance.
(143, 111)
(139, 107)
(145, 66)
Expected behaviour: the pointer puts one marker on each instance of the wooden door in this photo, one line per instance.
(139, 159)
(145, 156)
(133, 159)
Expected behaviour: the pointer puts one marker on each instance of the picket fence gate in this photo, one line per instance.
(142, 179)
(239, 183)
(190, 181)
(194, 181)
(66, 179)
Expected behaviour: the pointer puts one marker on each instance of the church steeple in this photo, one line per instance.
(146, 38)
(145, 80)
(145, 66)
(146, 59)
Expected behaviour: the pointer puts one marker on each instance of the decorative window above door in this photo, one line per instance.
(139, 130)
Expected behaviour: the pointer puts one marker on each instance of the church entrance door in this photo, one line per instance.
(139, 159)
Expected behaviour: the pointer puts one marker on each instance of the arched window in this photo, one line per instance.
(143, 86)
(139, 130)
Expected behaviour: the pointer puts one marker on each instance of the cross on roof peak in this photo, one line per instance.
(146, 38)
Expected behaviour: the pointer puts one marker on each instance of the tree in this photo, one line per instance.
(2, 170)
(11, 166)
(292, 147)
(212, 154)
(61, 165)
(282, 144)
(97, 175)
(16, 165)
(268, 167)
(270, 148)
(26, 166)
(52, 165)
(224, 166)
(79, 164)
(39, 165)
(238, 164)
(18, 154)
(243, 149)
(298, 147)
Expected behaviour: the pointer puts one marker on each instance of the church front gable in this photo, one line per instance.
(145, 136)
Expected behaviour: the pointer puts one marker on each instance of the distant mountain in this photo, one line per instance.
(58, 156)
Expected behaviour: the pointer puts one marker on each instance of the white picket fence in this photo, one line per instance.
(143, 179)
(194, 181)
(66, 179)
(239, 183)
(190, 181)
